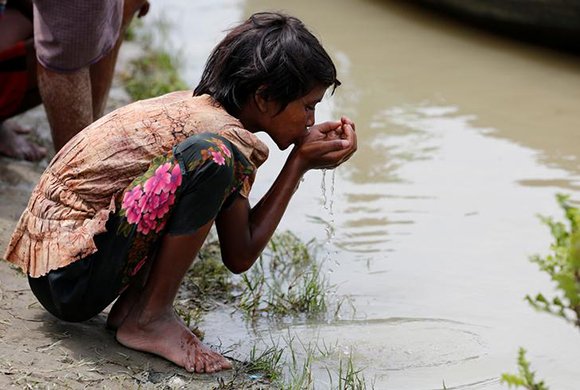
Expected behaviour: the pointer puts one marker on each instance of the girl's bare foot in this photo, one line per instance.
(167, 336)
(121, 308)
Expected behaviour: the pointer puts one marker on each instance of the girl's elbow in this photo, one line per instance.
(236, 268)
(238, 265)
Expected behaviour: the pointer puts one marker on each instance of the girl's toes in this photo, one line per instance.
(225, 364)
(209, 368)
(199, 366)
(190, 367)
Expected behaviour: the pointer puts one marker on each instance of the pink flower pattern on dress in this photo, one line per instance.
(147, 205)
(224, 149)
(218, 158)
(175, 180)
(131, 202)
(160, 180)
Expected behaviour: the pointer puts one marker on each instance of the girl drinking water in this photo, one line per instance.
(123, 209)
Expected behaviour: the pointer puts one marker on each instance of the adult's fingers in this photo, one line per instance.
(144, 9)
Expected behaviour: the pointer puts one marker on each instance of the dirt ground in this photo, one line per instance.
(39, 351)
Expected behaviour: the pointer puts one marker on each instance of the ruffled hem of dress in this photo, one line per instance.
(32, 252)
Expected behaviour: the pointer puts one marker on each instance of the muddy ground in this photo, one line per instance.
(39, 351)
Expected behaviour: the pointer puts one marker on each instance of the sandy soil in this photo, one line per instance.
(39, 351)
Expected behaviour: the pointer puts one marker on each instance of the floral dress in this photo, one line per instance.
(181, 191)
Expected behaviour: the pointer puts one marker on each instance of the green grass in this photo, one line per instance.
(157, 71)
(132, 30)
(290, 364)
(208, 280)
(562, 264)
(153, 75)
(526, 377)
(287, 280)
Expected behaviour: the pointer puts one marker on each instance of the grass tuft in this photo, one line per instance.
(291, 366)
(526, 377)
(157, 71)
(286, 280)
(563, 266)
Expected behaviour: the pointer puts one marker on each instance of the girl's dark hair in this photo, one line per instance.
(272, 54)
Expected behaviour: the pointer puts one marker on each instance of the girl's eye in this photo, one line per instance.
(309, 108)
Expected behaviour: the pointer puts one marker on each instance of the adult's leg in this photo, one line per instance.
(152, 324)
(102, 72)
(68, 102)
(101, 77)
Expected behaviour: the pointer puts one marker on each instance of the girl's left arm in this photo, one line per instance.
(244, 231)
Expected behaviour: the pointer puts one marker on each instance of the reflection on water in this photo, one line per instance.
(463, 138)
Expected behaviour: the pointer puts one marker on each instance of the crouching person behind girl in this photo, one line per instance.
(123, 209)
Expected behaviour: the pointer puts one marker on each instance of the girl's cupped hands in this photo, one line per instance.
(327, 145)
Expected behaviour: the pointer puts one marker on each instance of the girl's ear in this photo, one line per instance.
(261, 102)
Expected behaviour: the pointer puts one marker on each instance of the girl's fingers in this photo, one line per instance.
(337, 157)
(347, 121)
(324, 147)
(325, 127)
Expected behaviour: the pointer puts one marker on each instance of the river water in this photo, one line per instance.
(464, 137)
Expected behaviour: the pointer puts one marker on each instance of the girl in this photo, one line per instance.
(124, 207)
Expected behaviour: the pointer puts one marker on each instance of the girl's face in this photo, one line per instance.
(287, 127)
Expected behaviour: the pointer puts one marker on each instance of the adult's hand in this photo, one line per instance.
(144, 9)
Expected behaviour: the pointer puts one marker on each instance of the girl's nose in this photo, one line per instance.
(310, 119)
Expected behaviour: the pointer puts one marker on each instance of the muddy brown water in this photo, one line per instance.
(464, 137)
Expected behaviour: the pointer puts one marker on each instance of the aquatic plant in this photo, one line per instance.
(286, 280)
(526, 377)
(350, 378)
(289, 364)
(208, 279)
(268, 363)
(563, 266)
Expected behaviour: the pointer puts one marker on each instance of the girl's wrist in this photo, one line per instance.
(297, 164)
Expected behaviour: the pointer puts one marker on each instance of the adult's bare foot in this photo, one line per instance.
(167, 336)
(18, 129)
(16, 146)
